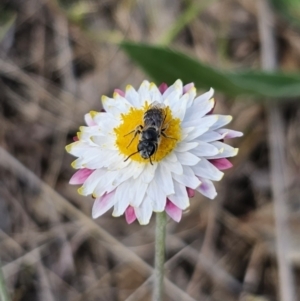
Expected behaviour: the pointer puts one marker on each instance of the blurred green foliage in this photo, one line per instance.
(290, 9)
(165, 65)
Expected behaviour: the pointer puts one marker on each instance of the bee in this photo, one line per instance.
(150, 133)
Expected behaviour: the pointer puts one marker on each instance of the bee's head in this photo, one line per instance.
(146, 149)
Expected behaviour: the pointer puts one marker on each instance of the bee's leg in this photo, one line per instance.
(164, 118)
(154, 154)
(163, 130)
(167, 136)
(165, 127)
(150, 160)
(130, 133)
(136, 131)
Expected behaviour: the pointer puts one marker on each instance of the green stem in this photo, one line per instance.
(160, 237)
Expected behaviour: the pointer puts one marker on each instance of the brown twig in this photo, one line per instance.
(277, 144)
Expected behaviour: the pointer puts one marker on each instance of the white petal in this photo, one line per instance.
(197, 111)
(172, 88)
(174, 167)
(91, 182)
(105, 142)
(187, 158)
(137, 191)
(186, 146)
(139, 168)
(210, 136)
(204, 97)
(226, 150)
(195, 133)
(172, 157)
(185, 132)
(148, 173)
(156, 193)
(205, 169)
(113, 106)
(121, 199)
(125, 173)
(105, 183)
(133, 96)
(164, 177)
(144, 92)
(102, 204)
(172, 98)
(180, 198)
(179, 108)
(118, 163)
(89, 120)
(78, 148)
(123, 104)
(206, 121)
(113, 156)
(154, 93)
(229, 133)
(144, 211)
(188, 178)
(191, 93)
(91, 159)
(207, 188)
(178, 86)
(105, 121)
(222, 120)
(205, 149)
(89, 131)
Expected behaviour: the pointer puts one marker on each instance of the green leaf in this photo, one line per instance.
(165, 65)
(290, 9)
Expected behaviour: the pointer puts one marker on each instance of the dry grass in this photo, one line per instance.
(55, 64)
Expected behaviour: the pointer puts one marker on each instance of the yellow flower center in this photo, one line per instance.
(135, 118)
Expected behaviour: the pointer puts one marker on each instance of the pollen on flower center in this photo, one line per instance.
(135, 118)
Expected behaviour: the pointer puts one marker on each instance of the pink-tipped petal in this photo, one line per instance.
(75, 138)
(228, 134)
(89, 120)
(221, 164)
(190, 192)
(103, 204)
(130, 215)
(188, 87)
(120, 92)
(207, 188)
(162, 88)
(80, 176)
(173, 211)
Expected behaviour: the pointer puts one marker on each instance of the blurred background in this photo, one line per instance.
(57, 57)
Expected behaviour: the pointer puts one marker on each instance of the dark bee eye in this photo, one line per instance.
(146, 149)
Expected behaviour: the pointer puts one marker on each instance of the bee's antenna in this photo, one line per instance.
(130, 156)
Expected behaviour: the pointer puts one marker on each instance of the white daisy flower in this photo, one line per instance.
(150, 150)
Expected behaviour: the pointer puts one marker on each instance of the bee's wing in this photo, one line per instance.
(157, 105)
(154, 116)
